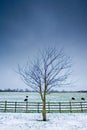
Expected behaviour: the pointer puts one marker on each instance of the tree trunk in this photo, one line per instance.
(44, 110)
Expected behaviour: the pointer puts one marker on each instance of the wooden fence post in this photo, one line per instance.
(38, 107)
(70, 106)
(5, 106)
(26, 106)
(60, 107)
(15, 106)
(49, 107)
(81, 107)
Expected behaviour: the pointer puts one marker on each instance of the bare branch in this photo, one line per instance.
(49, 70)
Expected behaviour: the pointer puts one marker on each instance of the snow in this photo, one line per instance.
(33, 121)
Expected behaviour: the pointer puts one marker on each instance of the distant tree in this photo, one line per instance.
(1, 90)
(27, 90)
(49, 70)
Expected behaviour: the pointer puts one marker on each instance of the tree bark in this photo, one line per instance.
(44, 110)
(44, 105)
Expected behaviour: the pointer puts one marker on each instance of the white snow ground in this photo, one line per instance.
(33, 121)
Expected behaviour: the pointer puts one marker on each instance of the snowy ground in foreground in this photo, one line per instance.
(59, 121)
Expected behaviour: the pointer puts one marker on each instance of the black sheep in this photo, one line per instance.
(25, 99)
(73, 98)
(82, 98)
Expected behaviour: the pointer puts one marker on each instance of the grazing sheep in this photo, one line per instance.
(73, 98)
(82, 98)
(26, 99)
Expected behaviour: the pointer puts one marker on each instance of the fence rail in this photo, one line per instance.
(28, 107)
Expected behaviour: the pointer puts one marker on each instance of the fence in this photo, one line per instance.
(37, 107)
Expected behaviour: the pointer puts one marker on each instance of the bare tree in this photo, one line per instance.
(50, 69)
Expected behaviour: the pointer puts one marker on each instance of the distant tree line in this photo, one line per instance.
(27, 90)
(14, 90)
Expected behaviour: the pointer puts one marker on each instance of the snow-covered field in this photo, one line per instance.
(35, 97)
(33, 121)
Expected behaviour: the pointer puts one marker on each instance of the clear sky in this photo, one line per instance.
(28, 25)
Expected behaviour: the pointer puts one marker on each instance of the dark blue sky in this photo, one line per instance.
(28, 25)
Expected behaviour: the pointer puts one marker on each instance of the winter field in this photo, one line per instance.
(33, 121)
(28, 121)
(34, 97)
